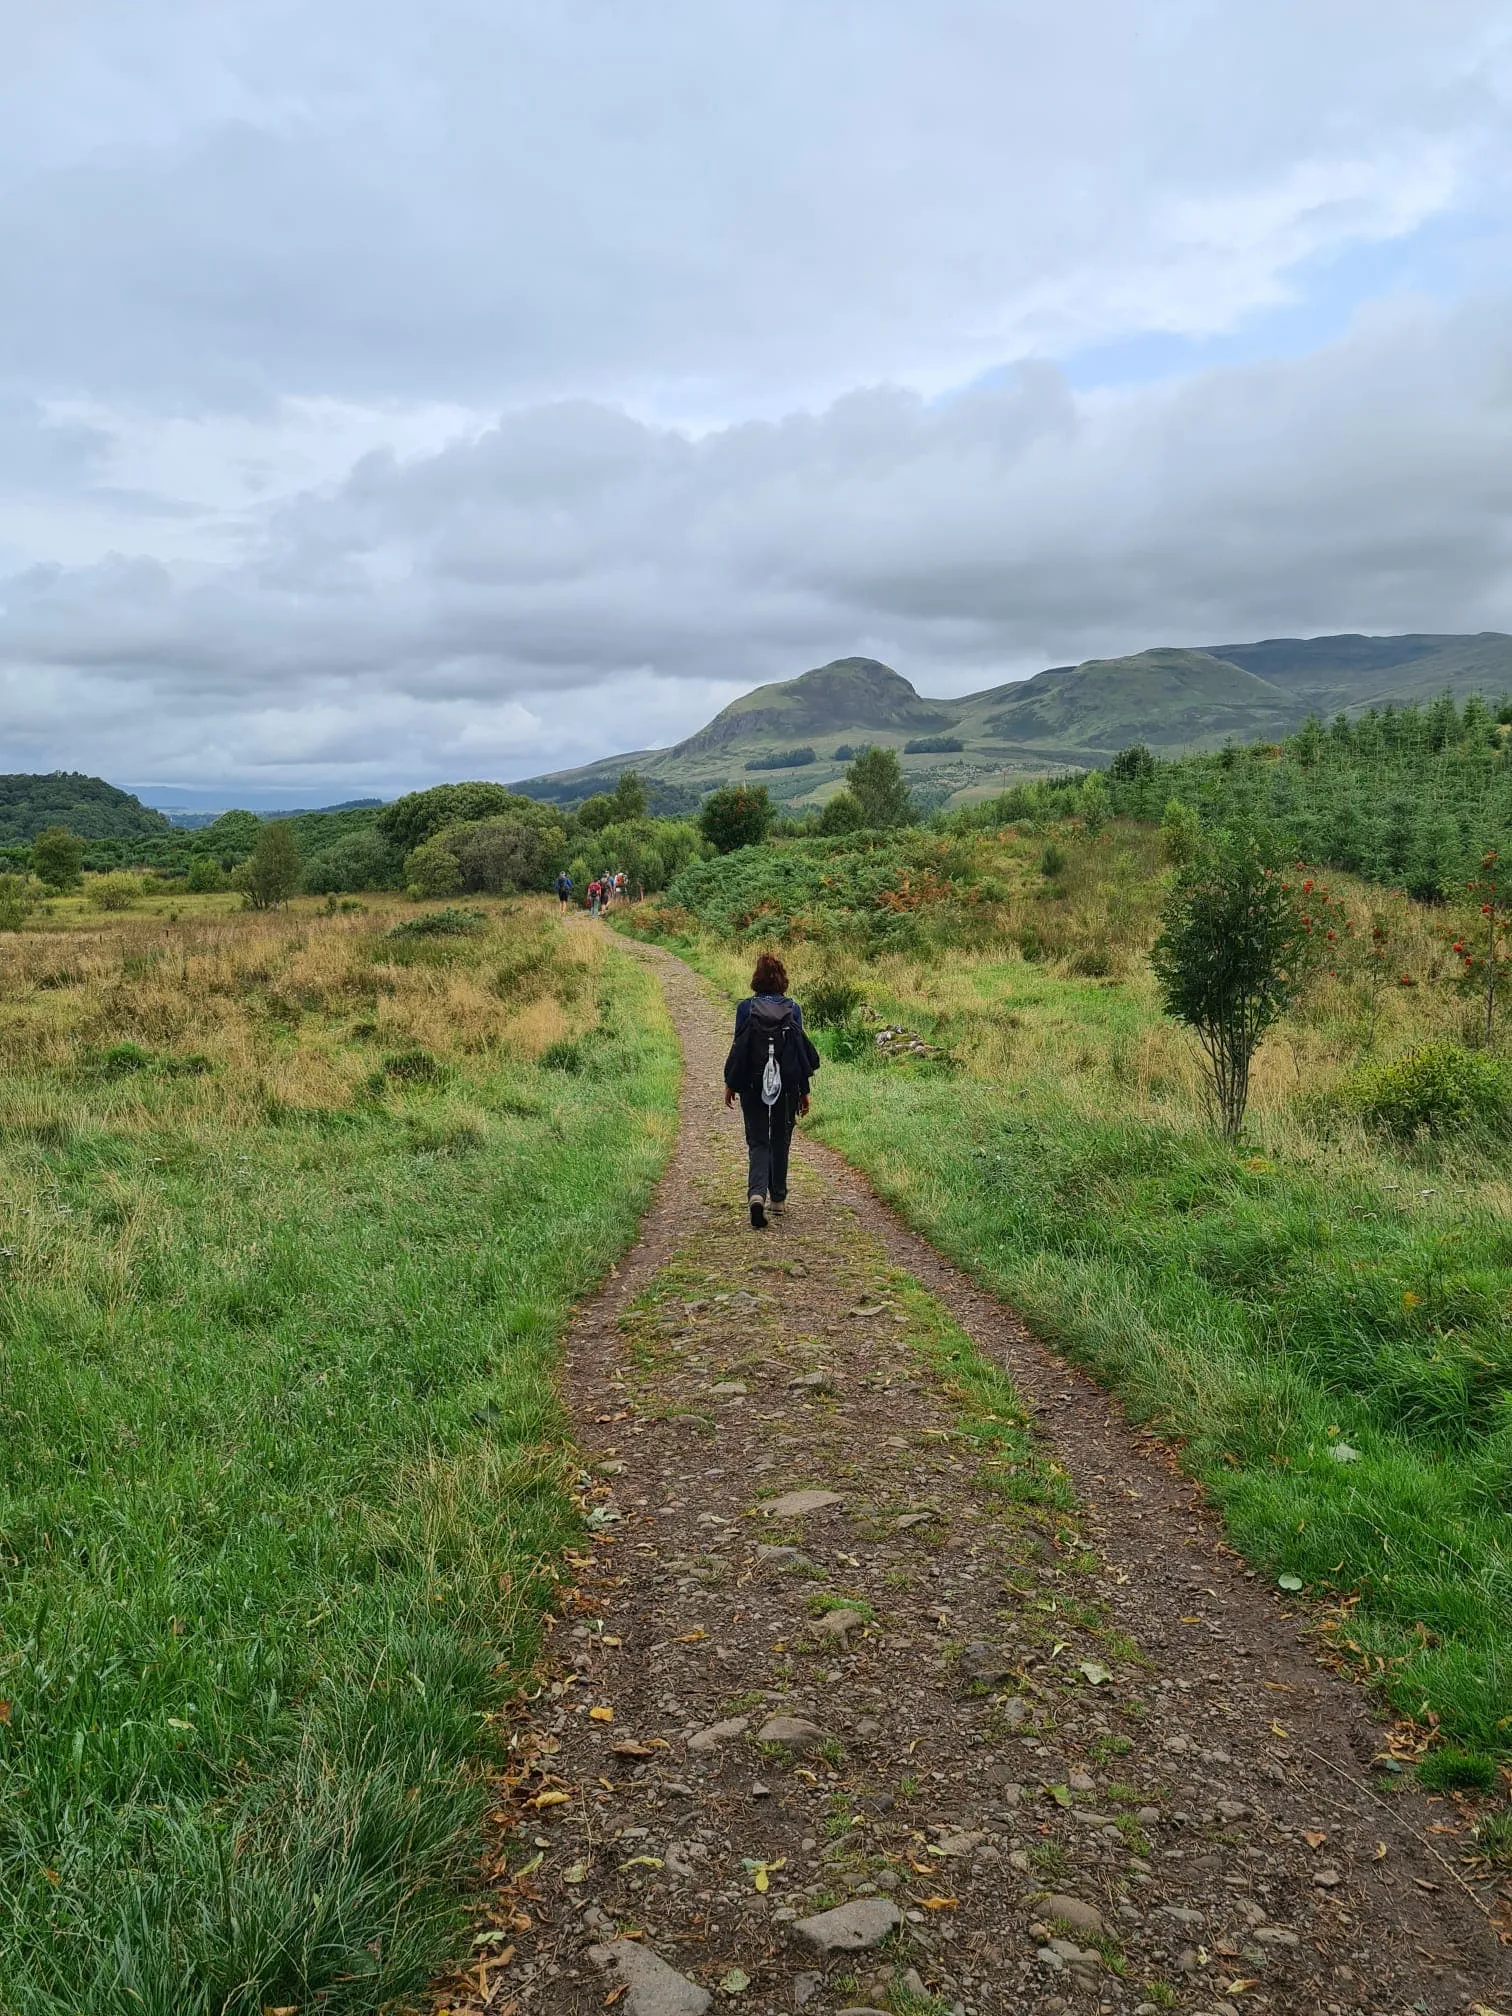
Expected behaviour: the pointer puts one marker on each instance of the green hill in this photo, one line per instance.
(87, 806)
(1176, 699)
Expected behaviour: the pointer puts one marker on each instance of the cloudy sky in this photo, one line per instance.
(402, 389)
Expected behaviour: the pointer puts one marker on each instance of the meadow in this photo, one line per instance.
(293, 1207)
(1316, 1316)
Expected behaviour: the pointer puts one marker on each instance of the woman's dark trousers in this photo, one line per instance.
(769, 1134)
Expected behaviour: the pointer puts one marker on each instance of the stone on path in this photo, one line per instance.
(850, 1927)
(794, 1504)
(791, 1731)
(720, 1732)
(653, 1988)
(1084, 1917)
(727, 1389)
(814, 1382)
(981, 1661)
(839, 1623)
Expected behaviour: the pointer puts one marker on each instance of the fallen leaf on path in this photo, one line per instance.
(600, 1714)
(1240, 1987)
(941, 1903)
(1061, 1794)
(1095, 1672)
(578, 1873)
(762, 1870)
(735, 1982)
(550, 1799)
(1314, 1840)
(630, 1748)
(642, 1862)
(1277, 1729)
(1292, 1582)
(692, 1637)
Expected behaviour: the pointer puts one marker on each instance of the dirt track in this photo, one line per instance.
(1205, 1828)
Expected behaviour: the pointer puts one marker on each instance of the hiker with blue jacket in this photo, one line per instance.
(768, 1070)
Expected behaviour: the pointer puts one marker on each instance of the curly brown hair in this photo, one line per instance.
(770, 976)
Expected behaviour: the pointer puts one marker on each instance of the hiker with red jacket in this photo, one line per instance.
(768, 1070)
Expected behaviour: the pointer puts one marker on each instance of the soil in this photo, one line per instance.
(1080, 1755)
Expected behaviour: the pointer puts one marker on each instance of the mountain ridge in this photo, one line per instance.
(1173, 697)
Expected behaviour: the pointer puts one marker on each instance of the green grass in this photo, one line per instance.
(284, 1481)
(1262, 1315)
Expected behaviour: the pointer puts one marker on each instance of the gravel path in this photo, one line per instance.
(986, 1721)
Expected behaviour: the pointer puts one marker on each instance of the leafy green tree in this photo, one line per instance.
(1133, 763)
(737, 815)
(1180, 832)
(876, 781)
(15, 902)
(1233, 954)
(271, 873)
(1094, 803)
(842, 814)
(205, 875)
(411, 820)
(57, 858)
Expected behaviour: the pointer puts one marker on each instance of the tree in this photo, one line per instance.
(842, 814)
(737, 815)
(411, 820)
(1180, 832)
(57, 858)
(14, 902)
(271, 872)
(1093, 803)
(1131, 765)
(205, 876)
(875, 780)
(1233, 954)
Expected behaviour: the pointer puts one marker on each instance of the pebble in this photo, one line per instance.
(1275, 1935)
(838, 1623)
(1082, 1781)
(795, 1504)
(981, 1661)
(850, 1927)
(814, 1382)
(780, 1557)
(792, 1731)
(805, 1988)
(1071, 1910)
(913, 1519)
(720, 1732)
(729, 1389)
(652, 1987)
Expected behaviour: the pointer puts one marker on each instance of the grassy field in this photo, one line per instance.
(292, 1210)
(1318, 1316)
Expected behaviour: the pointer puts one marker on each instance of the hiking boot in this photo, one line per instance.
(777, 1206)
(758, 1213)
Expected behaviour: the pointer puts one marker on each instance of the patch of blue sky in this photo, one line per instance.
(1444, 259)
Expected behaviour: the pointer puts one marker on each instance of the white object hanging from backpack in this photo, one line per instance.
(771, 1077)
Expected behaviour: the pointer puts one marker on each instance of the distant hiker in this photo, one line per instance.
(619, 886)
(564, 889)
(595, 894)
(768, 1070)
(606, 890)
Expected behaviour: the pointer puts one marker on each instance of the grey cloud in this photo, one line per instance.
(705, 206)
(519, 595)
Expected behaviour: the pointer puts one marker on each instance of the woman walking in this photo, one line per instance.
(769, 1068)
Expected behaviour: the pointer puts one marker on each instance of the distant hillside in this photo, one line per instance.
(1176, 699)
(87, 806)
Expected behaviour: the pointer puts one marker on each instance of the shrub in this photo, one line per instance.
(57, 858)
(934, 745)
(737, 815)
(1180, 833)
(842, 814)
(1052, 861)
(432, 870)
(447, 923)
(205, 875)
(1132, 764)
(1231, 957)
(15, 902)
(782, 759)
(1434, 1090)
(831, 1002)
(363, 860)
(114, 892)
(1452, 1769)
(628, 800)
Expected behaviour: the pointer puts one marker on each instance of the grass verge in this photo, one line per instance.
(282, 1452)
